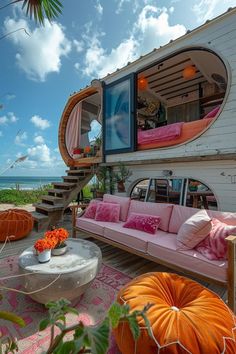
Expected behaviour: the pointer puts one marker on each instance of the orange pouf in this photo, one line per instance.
(185, 317)
(15, 222)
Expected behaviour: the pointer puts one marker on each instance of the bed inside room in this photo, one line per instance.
(178, 98)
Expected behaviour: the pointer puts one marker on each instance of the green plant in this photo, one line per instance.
(94, 339)
(39, 9)
(123, 173)
(9, 343)
(102, 176)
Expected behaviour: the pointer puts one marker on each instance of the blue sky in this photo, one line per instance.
(91, 38)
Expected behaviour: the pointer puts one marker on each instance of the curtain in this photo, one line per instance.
(73, 128)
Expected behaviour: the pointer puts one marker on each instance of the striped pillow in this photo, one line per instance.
(214, 246)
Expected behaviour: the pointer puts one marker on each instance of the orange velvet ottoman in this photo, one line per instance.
(185, 317)
(16, 223)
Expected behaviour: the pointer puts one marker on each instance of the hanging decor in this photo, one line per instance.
(189, 72)
(142, 83)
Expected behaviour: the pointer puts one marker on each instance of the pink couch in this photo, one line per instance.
(162, 246)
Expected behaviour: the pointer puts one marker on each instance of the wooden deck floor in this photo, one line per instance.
(123, 261)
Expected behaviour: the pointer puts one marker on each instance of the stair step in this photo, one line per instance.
(64, 185)
(51, 199)
(38, 216)
(58, 191)
(71, 178)
(78, 173)
(48, 207)
(79, 170)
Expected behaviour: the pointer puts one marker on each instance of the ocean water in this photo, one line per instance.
(26, 182)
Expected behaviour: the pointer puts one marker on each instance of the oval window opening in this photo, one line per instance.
(179, 98)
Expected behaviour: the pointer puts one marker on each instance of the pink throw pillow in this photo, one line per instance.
(143, 222)
(214, 246)
(90, 211)
(194, 230)
(108, 212)
(212, 113)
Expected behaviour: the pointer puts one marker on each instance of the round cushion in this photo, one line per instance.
(185, 317)
(15, 222)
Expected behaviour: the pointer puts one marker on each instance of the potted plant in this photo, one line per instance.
(102, 177)
(121, 176)
(58, 237)
(43, 248)
(98, 145)
(78, 152)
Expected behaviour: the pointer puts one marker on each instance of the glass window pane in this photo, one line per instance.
(117, 116)
(139, 190)
(200, 196)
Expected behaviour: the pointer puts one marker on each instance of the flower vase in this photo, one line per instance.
(120, 187)
(44, 256)
(60, 250)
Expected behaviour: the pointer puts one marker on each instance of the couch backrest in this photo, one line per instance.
(123, 201)
(157, 209)
(181, 213)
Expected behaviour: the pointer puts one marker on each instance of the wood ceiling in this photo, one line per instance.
(166, 78)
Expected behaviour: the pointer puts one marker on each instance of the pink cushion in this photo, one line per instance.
(212, 113)
(194, 230)
(143, 222)
(108, 212)
(90, 225)
(181, 213)
(163, 245)
(161, 210)
(214, 246)
(91, 209)
(123, 201)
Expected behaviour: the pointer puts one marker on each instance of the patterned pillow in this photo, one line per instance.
(90, 211)
(143, 222)
(108, 212)
(214, 246)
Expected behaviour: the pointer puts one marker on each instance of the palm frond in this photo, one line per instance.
(41, 9)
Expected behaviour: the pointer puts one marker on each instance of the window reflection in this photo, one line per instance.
(117, 116)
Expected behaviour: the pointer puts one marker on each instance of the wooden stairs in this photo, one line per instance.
(48, 212)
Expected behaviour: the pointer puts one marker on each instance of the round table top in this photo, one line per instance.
(79, 254)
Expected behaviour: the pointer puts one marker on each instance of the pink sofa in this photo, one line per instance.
(162, 246)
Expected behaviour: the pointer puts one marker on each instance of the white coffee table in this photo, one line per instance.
(70, 274)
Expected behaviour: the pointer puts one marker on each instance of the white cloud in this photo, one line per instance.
(79, 45)
(8, 118)
(21, 138)
(40, 53)
(40, 122)
(39, 139)
(40, 153)
(171, 9)
(207, 9)
(99, 7)
(152, 29)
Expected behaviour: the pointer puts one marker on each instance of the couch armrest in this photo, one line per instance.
(74, 209)
(231, 271)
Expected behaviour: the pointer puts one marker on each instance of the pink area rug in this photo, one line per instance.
(92, 307)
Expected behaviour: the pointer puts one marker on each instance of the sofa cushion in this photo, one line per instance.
(143, 222)
(214, 246)
(91, 209)
(129, 237)
(123, 201)
(194, 230)
(157, 209)
(163, 245)
(108, 212)
(181, 213)
(91, 225)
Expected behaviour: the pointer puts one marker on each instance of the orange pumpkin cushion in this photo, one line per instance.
(185, 317)
(15, 222)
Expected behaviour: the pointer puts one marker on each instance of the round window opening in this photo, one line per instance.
(179, 98)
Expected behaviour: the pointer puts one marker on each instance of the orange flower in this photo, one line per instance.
(87, 149)
(44, 244)
(57, 236)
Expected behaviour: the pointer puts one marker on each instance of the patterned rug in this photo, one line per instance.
(92, 307)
